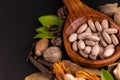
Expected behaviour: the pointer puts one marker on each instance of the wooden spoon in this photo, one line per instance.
(79, 13)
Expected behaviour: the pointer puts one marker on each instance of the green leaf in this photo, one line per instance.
(106, 75)
(42, 35)
(43, 30)
(49, 20)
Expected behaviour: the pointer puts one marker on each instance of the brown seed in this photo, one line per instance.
(95, 50)
(83, 54)
(88, 30)
(91, 25)
(82, 28)
(75, 46)
(87, 49)
(89, 43)
(108, 52)
(93, 38)
(72, 37)
(114, 39)
(98, 26)
(111, 30)
(106, 37)
(102, 41)
(81, 44)
(105, 24)
(83, 35)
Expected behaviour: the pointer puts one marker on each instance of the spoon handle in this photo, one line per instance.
(76, 8)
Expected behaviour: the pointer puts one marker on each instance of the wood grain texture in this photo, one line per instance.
(79, 13)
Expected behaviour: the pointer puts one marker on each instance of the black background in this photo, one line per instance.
(18, 21)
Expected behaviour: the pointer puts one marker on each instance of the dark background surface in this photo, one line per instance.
(18, 21)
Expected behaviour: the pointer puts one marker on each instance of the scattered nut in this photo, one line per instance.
(41, 46)
(52, 54)
(116, 72)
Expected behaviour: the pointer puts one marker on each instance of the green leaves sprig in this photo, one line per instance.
(47, 21)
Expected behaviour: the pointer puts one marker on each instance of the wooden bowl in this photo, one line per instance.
(78, 14)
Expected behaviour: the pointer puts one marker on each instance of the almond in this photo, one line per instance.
(98, 26)
(106, 37)
(82, 28)
(41, 46)
(72, 37)
(75, 46)
(111, 30)
(91, 25)
(83, 35)
(105, 24)
(114, 39)
(81, 44)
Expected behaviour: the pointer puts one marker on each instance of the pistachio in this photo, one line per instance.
(82, 28)
(116, 72)
(41, 46)
(72, 37)
(91, 25)
(105, 24)
(68, 77)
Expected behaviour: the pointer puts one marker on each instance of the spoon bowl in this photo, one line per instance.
(78, 14)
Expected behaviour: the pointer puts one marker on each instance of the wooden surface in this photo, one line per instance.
(80, 12)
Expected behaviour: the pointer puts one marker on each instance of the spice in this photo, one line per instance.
(40, 67)
(52, 54)
(62, 12)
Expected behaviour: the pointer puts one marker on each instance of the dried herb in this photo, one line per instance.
(106, 75)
